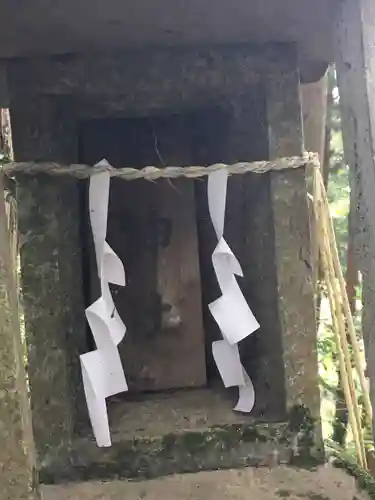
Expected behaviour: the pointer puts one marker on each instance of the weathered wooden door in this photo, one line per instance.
(152, 227)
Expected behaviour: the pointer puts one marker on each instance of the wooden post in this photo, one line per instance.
(355, 64)
(292, 242)
(49, 218)
(17, 469)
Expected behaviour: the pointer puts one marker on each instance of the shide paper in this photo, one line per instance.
(102, 371)
(230, 311)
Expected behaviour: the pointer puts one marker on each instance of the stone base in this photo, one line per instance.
(180, 432)
(323, 483)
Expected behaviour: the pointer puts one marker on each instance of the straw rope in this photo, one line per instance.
(153, 173)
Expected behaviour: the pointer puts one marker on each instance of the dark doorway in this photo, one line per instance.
(153, 229)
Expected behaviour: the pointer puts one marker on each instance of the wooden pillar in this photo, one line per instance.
(355, 65)
(291, 240)
(17, 468)
(49, 218)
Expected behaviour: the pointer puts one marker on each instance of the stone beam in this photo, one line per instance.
(160, 76)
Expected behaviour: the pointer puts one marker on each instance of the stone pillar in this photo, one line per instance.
(314, 107)
(292, 245)
(17, 470)
(355, 64)
(249, 204)
(49, 219)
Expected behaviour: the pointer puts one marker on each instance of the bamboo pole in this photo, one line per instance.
(348, 314)
(335, 300)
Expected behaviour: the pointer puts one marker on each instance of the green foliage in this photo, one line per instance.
(345, 459)
(338, 186)
(339, 196)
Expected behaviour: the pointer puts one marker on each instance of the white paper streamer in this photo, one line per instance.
(102, 371)
(230, 311)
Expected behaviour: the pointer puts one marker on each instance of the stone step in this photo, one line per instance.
(321, 483)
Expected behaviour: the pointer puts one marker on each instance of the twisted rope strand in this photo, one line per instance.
(153, 173)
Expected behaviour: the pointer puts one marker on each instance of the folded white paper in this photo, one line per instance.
(102, 371)
(246, 398)
(230, 311)
(227, 359)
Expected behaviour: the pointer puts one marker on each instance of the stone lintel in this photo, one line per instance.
(148, 81)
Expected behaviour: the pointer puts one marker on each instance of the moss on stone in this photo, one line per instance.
(283, 493)
(316, 496)
(194, 442)
(364, 479)
(223, 438)
(309, 453)
(225, 446)
(169, 442)
(300, 419)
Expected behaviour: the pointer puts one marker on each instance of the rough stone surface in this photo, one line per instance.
(175, 81)
(292, 245)
(149, 81)
(249, 232)
(50, 268)
(324, 483)
(139, 84)
(296, 305)
(16, 450)
(47, 29)
(355, 56)
(314, 107)
(184, 431)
